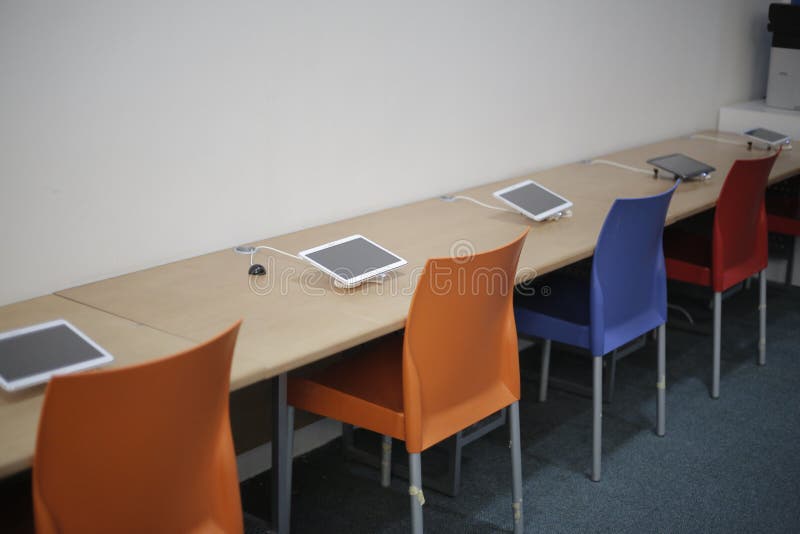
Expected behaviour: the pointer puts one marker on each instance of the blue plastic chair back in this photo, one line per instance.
(628, 287)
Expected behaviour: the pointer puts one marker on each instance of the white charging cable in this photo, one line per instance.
(620, 165)
(448, 198)
(252, 251)
(714, 138)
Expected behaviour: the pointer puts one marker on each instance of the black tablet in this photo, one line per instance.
(682, 166)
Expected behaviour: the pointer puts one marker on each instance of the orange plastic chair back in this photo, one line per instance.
(146, 448)
(460, 360)
(739, 246)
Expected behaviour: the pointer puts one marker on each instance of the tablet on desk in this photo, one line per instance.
(533, 200)
(682, 166)
(31, 355)
(768, 137)
(352, 260)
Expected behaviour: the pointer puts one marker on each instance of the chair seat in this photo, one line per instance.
(562, 316)
(687, 256)
(365, 390)
(783, 214)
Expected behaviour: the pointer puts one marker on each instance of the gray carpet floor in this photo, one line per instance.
(726, 465)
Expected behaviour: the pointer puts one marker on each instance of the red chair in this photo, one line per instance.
(783, 217)
(736, 250)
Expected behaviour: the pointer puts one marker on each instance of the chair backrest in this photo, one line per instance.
(628, 294)
(739, 243)
(460, 361)
(146, 448)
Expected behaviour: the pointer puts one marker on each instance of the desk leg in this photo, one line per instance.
(281, 483)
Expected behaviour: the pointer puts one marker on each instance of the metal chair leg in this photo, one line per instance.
(545, 374)
(717, 344)
(415, 492)
(762, 319)
(661, 385)
(454, 446)
(516, 468)
(386, 461)
(597, 414)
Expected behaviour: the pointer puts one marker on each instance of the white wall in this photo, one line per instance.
(136, 133)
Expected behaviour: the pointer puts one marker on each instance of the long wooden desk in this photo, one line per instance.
(300, 318)
(293, 316)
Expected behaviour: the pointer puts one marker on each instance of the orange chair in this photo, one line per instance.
(145, 448)
(457, 364)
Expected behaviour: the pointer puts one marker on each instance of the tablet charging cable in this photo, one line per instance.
(256, 269)
(715, 138)
(450, 198)
(619, 165)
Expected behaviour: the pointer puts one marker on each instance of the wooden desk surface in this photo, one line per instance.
(127, 341)
(301, 318)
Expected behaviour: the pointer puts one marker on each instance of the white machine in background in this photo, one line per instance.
(783, 85)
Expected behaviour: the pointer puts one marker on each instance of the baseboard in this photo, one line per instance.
(256, 461)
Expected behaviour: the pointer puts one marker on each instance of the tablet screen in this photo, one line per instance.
(42, 351)
(681, 165)
(533, 198)
(353, 258)
(767, 135)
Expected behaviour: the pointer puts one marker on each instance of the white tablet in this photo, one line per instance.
(31, 355)
(768, 137)
(352, 260)
(533, 200)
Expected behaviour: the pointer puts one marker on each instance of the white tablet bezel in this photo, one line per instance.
(356, 280)
(535, 216)
(784, 141)
(40, 378)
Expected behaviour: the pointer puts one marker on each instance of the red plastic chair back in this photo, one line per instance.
(460, 361)
(145, 448)
(739, 245)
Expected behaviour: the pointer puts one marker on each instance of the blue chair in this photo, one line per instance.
(624, 298)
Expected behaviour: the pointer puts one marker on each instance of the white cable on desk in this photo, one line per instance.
(251, 251)
(620, 165)
(718, 139)
(256, 249)
(479, 203)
